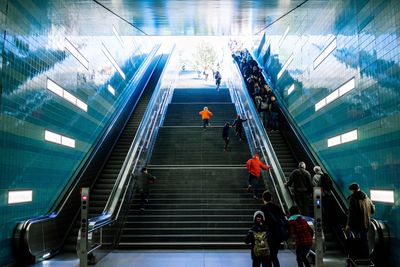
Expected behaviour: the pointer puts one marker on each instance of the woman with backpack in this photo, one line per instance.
(257, 238)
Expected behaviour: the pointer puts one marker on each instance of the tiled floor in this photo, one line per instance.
(239, 258)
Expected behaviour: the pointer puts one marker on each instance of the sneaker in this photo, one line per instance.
(248, 189)
(141, 209)
(146, 201)
(255, 197)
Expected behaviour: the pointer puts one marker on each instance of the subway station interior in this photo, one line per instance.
(94, 91)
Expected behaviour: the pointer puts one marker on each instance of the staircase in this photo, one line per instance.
(199, 199)
(105, 182)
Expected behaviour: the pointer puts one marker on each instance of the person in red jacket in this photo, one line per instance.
(205, 116)
(254, 166)
(302, 234)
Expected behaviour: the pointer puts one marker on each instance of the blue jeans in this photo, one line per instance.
(205, 123)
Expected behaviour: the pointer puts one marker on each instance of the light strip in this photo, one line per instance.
(111, 89)
(386, 196)
(118, 37)
(325, 53)
(283, 37)
(55, 88)
(19, 196)
(285, 66)
(291, 89)
(343, 138)
(112, 60)
(75, 52)
(59, 139)
(344, 89)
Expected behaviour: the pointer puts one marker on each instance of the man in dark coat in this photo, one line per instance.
(300, 179)
(238, 124)
(143, 181)
(359, 217)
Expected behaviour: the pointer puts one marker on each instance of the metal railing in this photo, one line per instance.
(257, 136)
(136, 158)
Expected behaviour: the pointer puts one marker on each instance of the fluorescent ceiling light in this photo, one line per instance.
(332, 96)
(111, 89)
(118, 37)
(386, 196)
(320, 104)
(55, 88)
(325, 53)
(112, 60)
(59, 139)
(347, 87)
(75, 52)
(19, 196)
(334, 141)
(350, 136)
(291, 89)
(283, 37)
(290, 59)
(343, 138)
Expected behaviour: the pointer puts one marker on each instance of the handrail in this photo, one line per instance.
(258, 134)
(148, 125)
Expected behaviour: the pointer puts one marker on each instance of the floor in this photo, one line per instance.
(235, 258)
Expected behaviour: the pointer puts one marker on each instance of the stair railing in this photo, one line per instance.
(136, 159)
(257, 136)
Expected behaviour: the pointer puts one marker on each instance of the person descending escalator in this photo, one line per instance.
(238, 124)
(254, 166)
(205, 116)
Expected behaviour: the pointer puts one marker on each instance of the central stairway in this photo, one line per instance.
(199, 199)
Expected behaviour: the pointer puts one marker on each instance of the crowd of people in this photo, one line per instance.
(259, 90)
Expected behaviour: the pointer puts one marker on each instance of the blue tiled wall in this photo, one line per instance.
(32, 43)
(368, 47)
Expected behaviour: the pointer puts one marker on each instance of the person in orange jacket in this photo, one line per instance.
(205, 116)
(254, 166)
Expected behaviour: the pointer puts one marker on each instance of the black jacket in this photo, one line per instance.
(301, 181)
(238, 122)
(360, 210)
(272, 213)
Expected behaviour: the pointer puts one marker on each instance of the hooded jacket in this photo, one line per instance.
(360, 210)
(254, 166)
(257, 228)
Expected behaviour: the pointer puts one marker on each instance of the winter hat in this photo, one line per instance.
(258, 213)
(354, 186)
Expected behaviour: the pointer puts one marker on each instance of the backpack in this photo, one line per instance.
(261, 248)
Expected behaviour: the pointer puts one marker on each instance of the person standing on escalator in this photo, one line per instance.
(300, 179)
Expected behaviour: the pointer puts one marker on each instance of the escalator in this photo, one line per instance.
(104, 184)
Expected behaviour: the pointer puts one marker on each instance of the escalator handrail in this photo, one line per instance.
(265, 144)
(112, 209)
(340, 198)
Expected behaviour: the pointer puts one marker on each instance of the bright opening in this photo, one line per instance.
(19, 196)
(386, 196)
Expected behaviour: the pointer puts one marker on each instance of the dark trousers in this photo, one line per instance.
(253, 182)
(205, 123)
(144, 195)
(274, 121)
(226, 139)
(264, 261)
(301, 256)
(302, 200)
(239, 131)
(359, 246)
(273, 252)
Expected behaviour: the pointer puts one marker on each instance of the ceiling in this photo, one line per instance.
(190, 17)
